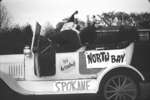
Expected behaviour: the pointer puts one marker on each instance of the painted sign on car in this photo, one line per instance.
(73, 85)
(76, 85)
(67, 64)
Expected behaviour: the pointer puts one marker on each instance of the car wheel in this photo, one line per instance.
(120, 86)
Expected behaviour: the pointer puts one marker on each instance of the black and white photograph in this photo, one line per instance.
(74, 49)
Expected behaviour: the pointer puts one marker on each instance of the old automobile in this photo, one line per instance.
(102, 68)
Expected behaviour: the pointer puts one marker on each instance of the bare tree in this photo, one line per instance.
(107, 18)
(4, 19)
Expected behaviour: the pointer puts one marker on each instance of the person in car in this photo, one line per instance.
(68, 38)
(88, 35)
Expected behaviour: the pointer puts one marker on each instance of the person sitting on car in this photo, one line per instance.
(68, 38)
(88, 34)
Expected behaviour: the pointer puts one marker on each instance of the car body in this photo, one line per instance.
(78, 72)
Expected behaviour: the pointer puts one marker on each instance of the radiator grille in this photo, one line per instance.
(17, 71)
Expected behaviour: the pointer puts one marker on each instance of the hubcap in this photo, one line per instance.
(120, 87)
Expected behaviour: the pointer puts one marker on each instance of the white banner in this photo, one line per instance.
(104, 58)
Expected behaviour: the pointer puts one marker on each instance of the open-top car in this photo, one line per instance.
(102, 68)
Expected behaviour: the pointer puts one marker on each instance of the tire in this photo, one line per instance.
(119, 85)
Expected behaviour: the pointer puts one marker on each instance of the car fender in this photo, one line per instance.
(108, 70)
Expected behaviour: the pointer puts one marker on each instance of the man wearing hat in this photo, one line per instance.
(69, 39)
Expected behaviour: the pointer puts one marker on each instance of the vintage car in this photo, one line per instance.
(101, 68)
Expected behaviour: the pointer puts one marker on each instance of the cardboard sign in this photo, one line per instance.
(104, 58)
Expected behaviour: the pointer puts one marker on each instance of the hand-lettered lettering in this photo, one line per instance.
(73, 85)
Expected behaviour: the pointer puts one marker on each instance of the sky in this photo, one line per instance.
(53, 11)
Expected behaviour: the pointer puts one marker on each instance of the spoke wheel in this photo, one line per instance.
(120, 87)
